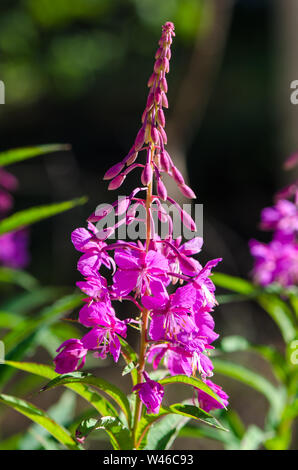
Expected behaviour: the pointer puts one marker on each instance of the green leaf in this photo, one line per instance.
(85, 427)
(231, 344)
(267, 298)
(130, 356)
(28, 301)
(195, 412)
(280, 313)
(253, 438)
(40, 417)
(9, 320)
(16, 155)
(63, 412)
(183, 409)
(45, 318)
(91, 396)
(128, 368)
(120, 436)
(193, 381)
(18, 277)
(83, 378)
(34, 214)
(235, 284)
(164, 432)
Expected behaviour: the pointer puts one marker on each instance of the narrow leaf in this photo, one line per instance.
(40, 417)
(83, 378)
(34, 214)
(23, 153)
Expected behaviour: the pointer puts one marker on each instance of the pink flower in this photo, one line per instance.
(140, 271)
(151, 393)
(207, 403)
(71, 357)
(106, 326)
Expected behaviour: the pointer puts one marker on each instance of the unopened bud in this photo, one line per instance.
(177, 175)
(161, 117)
(146, 176)
(113, 171)
(161, 190)
(187, 191)
(116, 182)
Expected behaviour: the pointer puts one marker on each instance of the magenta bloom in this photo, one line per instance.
(106, 326)
(93, 249)
(140, 271)
(176, 325)
(71, 357)
(275, 262)
(14, 249)
(151, 393)
(207, 403)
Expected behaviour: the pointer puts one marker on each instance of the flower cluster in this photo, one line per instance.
(13, 245)
(176, 326)
(277, 261)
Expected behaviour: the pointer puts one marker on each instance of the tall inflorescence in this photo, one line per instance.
(13, 245)
(277, 261)
(176, 327)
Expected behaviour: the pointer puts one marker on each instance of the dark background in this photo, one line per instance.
(76, 72)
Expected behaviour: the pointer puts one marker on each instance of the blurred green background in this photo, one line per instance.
(75, 71)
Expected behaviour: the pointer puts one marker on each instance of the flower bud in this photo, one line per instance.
(161, 190)
(164, 100)
(161, 117)
(151, 80)
(116, 182)
(177, 175)
(187, 191)
(164, 84)
(163, 135)
(113, 171)
(140, 139)
(154, 135)
(164, 161)
(146, 174)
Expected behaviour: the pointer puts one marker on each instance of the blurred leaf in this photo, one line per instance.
(11, 442)
(91, 396)
(45, 318)
(16, 155)
(23, 337)
(18, 277)
(253, 438)
(83, 378)
(280, 313)
(39, 416)
(235, 284)
(62, 411)
(231, 344)
(28, 301)
(34, 214)
(9, 320)
(252, 379)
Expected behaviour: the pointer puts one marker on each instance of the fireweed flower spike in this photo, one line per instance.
(13, 245)
(176, 327)
(277, 261)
